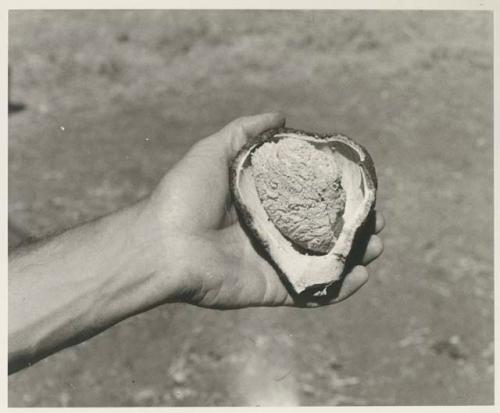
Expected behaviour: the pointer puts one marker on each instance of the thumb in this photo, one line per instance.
(199, 182)
(230, 139)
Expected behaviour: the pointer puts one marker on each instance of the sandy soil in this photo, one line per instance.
(113, 99)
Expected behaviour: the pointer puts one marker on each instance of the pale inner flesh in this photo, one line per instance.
(308, 194)
(300, 189)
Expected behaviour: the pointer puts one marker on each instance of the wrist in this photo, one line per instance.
(146, 264)
(169, 258)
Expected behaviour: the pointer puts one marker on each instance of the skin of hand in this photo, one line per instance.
(222, 268)
(183, 243)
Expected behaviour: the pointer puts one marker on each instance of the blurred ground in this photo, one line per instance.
(113, 99)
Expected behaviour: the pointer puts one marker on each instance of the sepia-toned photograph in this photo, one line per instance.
(250, 208)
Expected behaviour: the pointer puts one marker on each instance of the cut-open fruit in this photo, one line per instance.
(303, 197)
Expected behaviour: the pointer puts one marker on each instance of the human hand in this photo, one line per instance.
(219, 265)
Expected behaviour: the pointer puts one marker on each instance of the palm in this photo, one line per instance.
(247, 279)
(244, 278)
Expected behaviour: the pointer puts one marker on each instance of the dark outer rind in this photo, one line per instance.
(242, 210)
